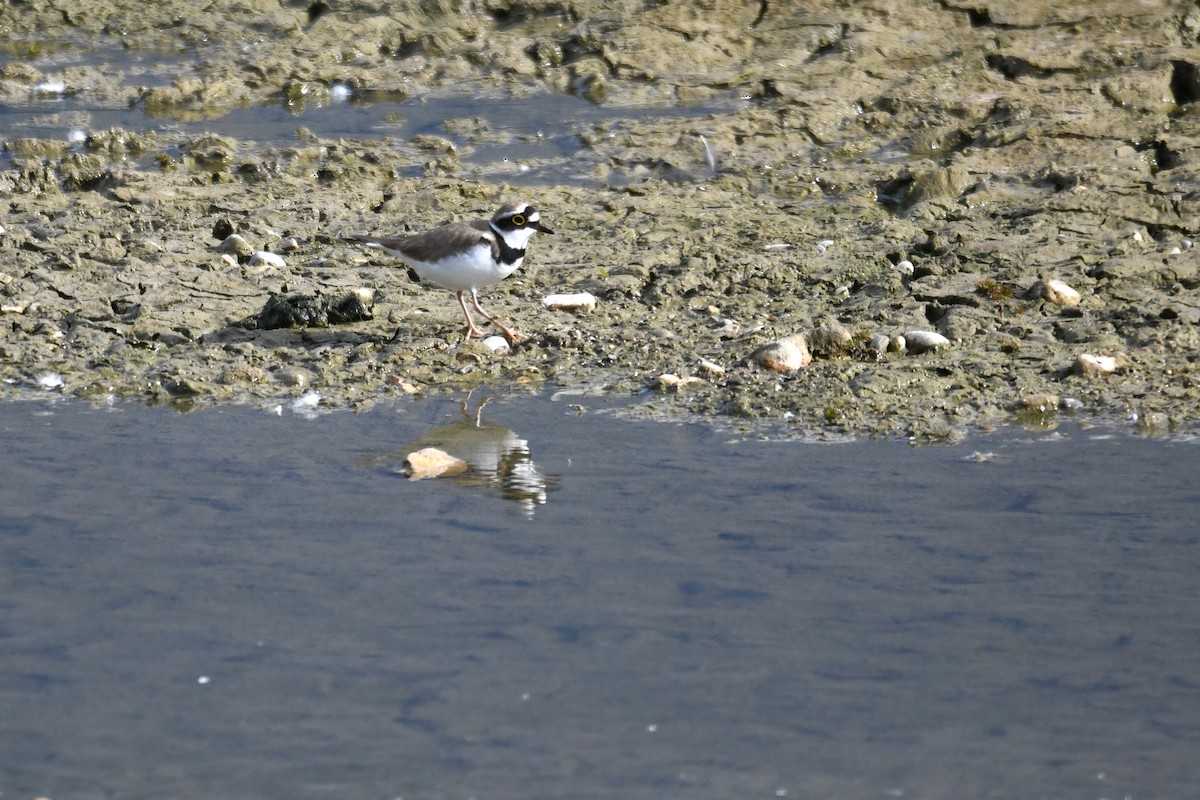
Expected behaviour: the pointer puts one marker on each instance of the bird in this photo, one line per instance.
(468, 255)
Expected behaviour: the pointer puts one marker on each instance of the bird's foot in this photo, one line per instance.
(514, 337)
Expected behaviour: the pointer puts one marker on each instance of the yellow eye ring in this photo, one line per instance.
(518, 220)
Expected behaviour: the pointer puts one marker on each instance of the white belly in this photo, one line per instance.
(472, 269)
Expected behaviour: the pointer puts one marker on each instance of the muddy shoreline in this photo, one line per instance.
(889, 169)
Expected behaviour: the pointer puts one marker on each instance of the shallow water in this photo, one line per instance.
(238, 603)
(531, 140)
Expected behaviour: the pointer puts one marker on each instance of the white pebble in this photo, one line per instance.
(921, 341)
(1089, 365)
(306, 404)
(879, 343)
(1056, 292)
(570, 301)
(50, 381)
(904, 267)
(784, 355)
(497, 344)
(234, 243)
(267, 258)
(669, 381)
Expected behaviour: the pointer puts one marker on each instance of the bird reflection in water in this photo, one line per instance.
(495, 457)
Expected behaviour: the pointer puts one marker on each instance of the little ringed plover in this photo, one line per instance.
(468, 255)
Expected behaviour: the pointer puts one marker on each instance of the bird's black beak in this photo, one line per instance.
(538, 226)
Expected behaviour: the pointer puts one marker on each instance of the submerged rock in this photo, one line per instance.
(432, 462)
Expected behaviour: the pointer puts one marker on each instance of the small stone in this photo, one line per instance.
(1040, 403)
(1090, 366)
(267, 258)
(923, 341)
(430, 462)
(1054, 291)
(879, 343)
(1153, 421)
(236, 244)
(671, 382)
(223, 228)
(711, 367)
(306, 404)
(293, 376)
(50, 381)
(784, 355)
(497, 344)
(829, 339)
(238, 374)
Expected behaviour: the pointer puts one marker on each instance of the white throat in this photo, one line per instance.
(516, 239)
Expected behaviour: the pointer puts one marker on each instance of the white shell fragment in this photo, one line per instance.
(1090, 366)
(266, 258)
(584, 300)
(922, 341)
(711, 367)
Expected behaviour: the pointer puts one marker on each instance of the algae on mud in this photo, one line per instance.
(992, 145)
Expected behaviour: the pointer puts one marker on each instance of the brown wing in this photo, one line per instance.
(433, 244)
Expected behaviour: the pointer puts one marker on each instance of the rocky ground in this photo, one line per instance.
(1018, 177)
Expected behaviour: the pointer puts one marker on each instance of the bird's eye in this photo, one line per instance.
(518, 220)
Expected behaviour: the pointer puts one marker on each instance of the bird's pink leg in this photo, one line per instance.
(515, 337)
(471, 329)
